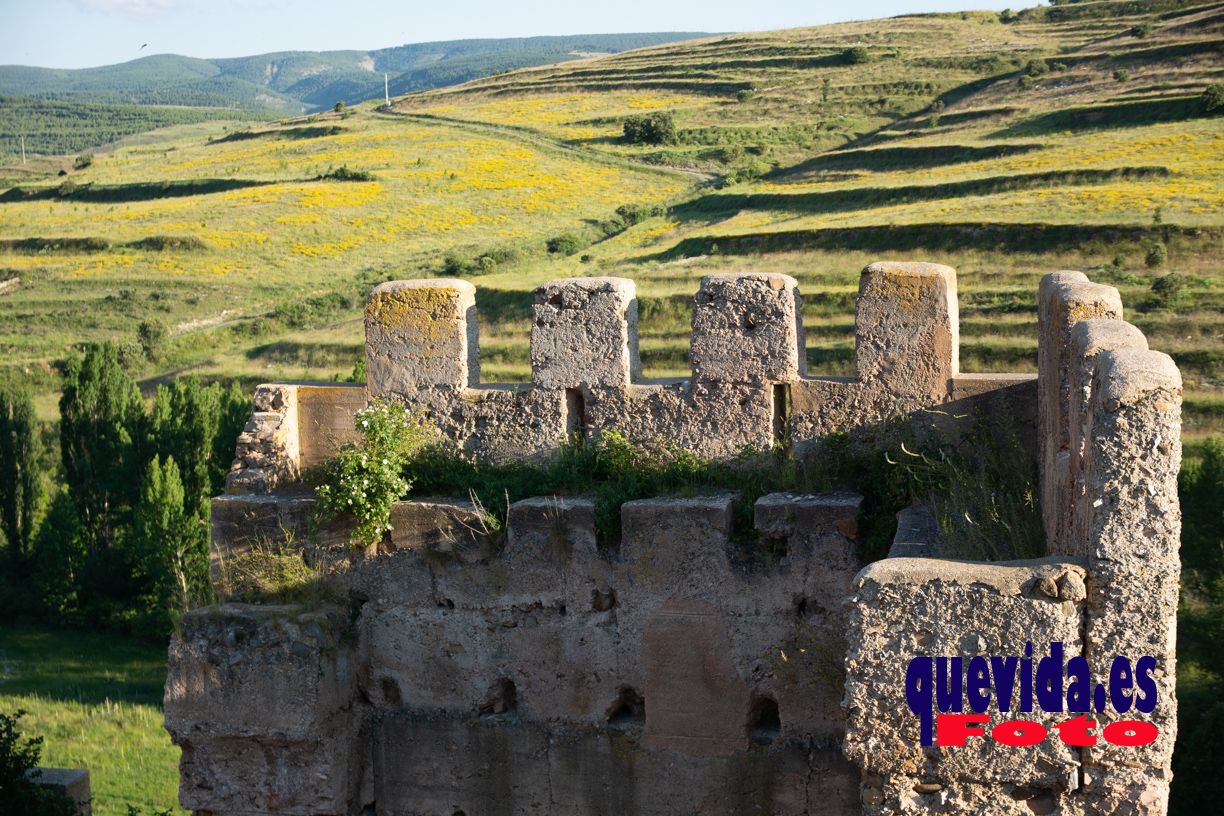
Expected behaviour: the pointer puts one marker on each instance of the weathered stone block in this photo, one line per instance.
(905, 607)
(325, 419)
(254, 777)
(1088, 339)
(1133, 524)
(421, 334)
(268, 454)
(553, 557)
(1063, 299)
(584, 334)
(917, 534)
(907, 330)
(434, 766)
(676, 547)
(747, 328)
(270, 672)
(697, 703)
(71, 782)
(782, 515)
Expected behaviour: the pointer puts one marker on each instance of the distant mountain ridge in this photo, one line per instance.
(301, 81)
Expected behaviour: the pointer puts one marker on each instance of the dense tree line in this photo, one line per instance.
(59, 126)
(113, 531)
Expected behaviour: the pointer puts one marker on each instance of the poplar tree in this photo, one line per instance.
(101, 420)
(20, 482)
(170, 543)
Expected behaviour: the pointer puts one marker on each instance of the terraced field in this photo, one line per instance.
(1007, 146)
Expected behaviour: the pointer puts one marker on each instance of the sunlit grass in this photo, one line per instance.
(96, 701)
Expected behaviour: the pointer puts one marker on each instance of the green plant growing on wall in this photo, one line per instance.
(279, 571)
(982, 488)
(367, 477)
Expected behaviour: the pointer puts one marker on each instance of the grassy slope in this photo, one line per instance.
(935, 130)
(96, 700)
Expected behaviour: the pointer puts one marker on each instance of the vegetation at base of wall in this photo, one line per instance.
(280, 572)
(980, 481)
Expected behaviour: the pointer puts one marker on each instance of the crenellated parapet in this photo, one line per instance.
(749, 387)
(466, 669)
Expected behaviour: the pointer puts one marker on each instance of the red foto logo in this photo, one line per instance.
(954, 730)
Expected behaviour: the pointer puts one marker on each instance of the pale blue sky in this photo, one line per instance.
(81, 33)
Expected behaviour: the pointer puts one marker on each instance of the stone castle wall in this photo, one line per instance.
(1110, 453)
(454, 669)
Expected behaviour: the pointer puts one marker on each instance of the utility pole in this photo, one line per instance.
(387, 90)
(23, 161)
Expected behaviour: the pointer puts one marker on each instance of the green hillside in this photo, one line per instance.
(298, 81)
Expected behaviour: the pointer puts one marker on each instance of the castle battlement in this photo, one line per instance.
(455, 668)
(749, 387)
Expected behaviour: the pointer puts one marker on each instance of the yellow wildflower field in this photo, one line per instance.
(574, 116)
(273, 230)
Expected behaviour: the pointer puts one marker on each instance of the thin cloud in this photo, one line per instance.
(140, 9)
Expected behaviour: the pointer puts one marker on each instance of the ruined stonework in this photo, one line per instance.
(460, 669)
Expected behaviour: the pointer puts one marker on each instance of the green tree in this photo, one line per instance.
(183, 424)
(20, 483)
(101, 417)
(1157, 255)
(655, 128)
(57, 569)
(1167, 289)
(856, 55)
(1201, 489)
(18, 794)
(1213, 98)
(169, 544)
(151, 334)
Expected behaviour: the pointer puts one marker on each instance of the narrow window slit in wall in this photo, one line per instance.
(575, 413)
(502, 698)
(628, 710)
(764, 723)
(781, 413)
